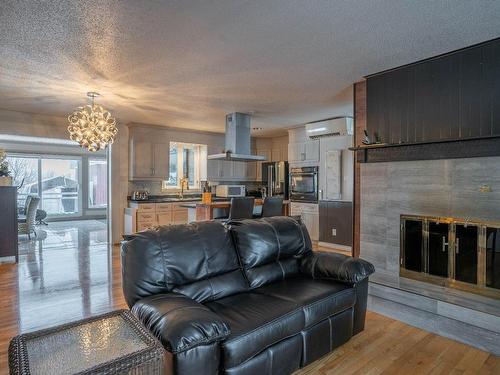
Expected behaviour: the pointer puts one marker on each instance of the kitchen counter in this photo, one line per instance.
(160, 199)
(205, 211)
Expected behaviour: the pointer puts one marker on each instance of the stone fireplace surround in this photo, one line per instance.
(449, 188)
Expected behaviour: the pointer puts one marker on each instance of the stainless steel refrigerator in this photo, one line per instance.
(275, 178)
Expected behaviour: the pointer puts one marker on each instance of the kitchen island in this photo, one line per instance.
(198, 211)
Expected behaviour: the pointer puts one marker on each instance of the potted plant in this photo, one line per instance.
(5, 178)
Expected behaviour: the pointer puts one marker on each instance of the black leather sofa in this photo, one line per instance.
(245, 298)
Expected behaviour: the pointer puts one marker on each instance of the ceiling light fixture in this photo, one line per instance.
(257, 128)
(92, 126)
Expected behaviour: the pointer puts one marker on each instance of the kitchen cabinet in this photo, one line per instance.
(310, 217)
(311, 149)
(267, 154)
(335, 222)
(239, 170)
(336, 166)
(228, 170)
(279, 154)
(307, 151)
(251, 171)
(149, 160)
(452, 96)
(296, 152)
(179, 214)
(141, 216)
(164, 218)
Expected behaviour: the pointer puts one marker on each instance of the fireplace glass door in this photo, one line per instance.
(413, 245)
(493, 257)
(438, 248)
(466, 242)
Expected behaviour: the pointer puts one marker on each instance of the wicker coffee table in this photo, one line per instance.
(113, 343)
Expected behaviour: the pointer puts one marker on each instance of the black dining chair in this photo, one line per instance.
(241, 208)
(273, 206)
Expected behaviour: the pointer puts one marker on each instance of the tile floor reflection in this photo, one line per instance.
(64, 274)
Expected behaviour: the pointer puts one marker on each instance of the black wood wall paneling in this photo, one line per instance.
(454, 96)
(338, 215)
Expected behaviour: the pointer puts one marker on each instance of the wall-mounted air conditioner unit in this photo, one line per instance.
(328, 128)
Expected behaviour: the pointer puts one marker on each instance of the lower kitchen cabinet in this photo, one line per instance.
(309, 215)
(141, 216)
(164, 218)
(335, 222)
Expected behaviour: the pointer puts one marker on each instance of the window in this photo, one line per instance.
(98, 183)
(60, 186)
(56, 181)
(24, 172)
(186, 160)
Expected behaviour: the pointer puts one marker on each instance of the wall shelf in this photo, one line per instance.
(444, 149)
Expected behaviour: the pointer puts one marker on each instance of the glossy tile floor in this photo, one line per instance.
(68, 272)
(64, 274)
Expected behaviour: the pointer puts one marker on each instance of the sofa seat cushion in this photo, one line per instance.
(319, 299)
(179, 322)
(256, 321)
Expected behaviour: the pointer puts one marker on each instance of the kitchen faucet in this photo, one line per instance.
(184, 185)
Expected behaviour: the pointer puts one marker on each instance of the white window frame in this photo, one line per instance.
(87, 197)
(41, 157)
(200, 152)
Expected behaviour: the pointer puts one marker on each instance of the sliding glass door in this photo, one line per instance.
(56, 180)
(24, 170)
(98, 183)
(60, 186)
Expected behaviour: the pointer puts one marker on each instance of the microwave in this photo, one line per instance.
(229, 191)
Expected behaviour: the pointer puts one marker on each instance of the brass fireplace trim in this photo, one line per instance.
(450, 282)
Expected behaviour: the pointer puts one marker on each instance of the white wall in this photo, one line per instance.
(119, 182)
(29, 124)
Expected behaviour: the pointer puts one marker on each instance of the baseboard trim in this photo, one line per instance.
(335, 246)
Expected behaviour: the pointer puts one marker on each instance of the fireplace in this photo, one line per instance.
(452, 252)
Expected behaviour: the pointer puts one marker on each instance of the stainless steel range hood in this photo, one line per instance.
(237, 144)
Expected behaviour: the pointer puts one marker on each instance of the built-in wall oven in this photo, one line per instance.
(304, 184)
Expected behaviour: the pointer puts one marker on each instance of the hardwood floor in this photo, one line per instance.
(66, 274)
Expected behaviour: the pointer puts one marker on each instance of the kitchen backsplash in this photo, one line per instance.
(154, 187)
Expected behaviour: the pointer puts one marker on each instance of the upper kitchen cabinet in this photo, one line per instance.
(152, 147)
(267, 154)
(453, 96)
(228, 170)
(306, 151)
(301, 148)
(273, 149)
(148, 160)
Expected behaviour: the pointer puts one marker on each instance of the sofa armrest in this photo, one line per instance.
(338, 267)
(179, 322)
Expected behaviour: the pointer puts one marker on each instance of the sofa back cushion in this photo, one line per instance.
(270, 248)
(197, 260)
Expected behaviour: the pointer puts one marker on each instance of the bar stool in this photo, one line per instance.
(273, 206)
(241, 208)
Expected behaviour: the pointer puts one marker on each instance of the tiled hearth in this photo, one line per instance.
(459, 188)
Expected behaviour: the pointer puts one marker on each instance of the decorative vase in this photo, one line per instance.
(5, 181)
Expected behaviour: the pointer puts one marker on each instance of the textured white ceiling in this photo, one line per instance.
(187, 63)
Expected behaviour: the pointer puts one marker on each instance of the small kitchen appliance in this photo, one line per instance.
(229, 191)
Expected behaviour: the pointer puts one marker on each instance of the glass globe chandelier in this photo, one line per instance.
(92, 126)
